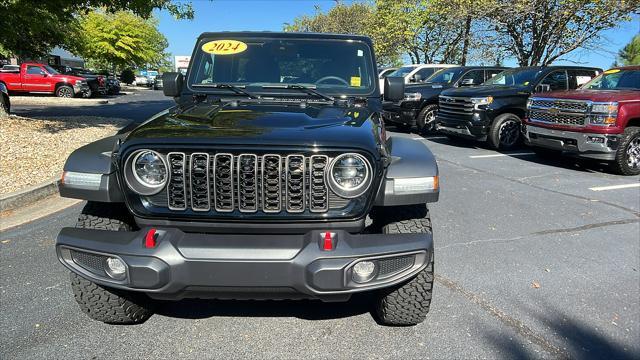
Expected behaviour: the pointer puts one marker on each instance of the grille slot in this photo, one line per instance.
(223, 182)
(248, 183)
(271, 183)
(199, 170)
(562, 105)
(557, 118)
(318, 192)
(455, 105)
(394, 265)
(176, 192)
(91, 262)
(295, 184)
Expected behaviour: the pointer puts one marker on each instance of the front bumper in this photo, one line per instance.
(474, 127)
(590, 145)
(396, 114)
(81, 89)
(187, 265)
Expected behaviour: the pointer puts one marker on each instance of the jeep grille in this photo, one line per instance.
(249, 183)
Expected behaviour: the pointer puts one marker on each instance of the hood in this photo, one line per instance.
(68, 78)
(488, 90)
(428, 90)
(260, 125)
(595, 95)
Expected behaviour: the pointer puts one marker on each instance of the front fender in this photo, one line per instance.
(90, 174)
(411, 163)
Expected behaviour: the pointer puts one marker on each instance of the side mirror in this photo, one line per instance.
(543, 88)
(415, 78)
(172, 82)
(467, 82)
(393, 88)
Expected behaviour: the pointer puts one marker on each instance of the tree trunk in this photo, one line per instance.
(465, 44)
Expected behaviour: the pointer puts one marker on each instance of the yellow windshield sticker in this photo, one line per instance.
(612, 71)
(526, 83)
(224, 47)
(355, 81)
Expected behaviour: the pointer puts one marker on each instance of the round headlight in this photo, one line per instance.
(349, 175)
(149, 168)
(146, 172)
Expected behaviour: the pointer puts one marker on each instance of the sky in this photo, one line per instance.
(270, 15)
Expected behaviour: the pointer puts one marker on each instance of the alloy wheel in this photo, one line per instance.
(65, 92)
(509, 131)
(633, 153)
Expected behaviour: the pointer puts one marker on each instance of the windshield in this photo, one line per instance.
(444, 76)
(51, 70)
(331, 66)
(514, 77)
(403, 71)
(615, 79)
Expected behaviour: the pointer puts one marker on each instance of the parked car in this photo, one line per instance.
(256, 188)
(382, 74)
(112, 82)
(41, 78)
(158, 84)
(97, 84)
(493, 112)
(143, 81)
(416, 73)
(420, 105)
(601, 120)
(5, 102)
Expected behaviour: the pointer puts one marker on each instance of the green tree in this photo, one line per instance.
(630, 54)
(538, 32)
(32, 28)
(355, 18)
(121, 39)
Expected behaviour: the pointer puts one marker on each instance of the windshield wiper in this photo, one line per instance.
(306, 89)
(235, 89)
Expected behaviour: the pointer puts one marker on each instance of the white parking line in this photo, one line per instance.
(614, 187)
(500, 155)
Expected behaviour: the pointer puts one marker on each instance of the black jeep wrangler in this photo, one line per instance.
(272, 178)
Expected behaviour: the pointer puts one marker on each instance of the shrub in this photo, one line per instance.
(127, 76)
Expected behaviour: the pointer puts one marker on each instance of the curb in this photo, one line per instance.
(30, 195)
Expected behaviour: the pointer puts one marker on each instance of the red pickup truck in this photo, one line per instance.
(41, 78)
(600, 120)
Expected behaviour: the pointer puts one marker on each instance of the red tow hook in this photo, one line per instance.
(150, 239)
(327, 241)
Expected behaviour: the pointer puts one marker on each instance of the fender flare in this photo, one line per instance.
(93, 161)
(411, 160)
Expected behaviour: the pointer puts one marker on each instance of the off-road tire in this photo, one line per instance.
(620, 164)
(104, 216)
(112, 306)
(408, 303)
(64, 91)
(5, 104)
(496, 140)
(423, 126)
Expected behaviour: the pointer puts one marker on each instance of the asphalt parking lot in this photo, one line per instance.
(534, 258)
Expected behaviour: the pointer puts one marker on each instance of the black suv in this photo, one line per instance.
(272, 178)
(493, 111)
(420, 105)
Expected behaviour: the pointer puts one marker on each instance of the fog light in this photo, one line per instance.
(115, 268)
(363, 271)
